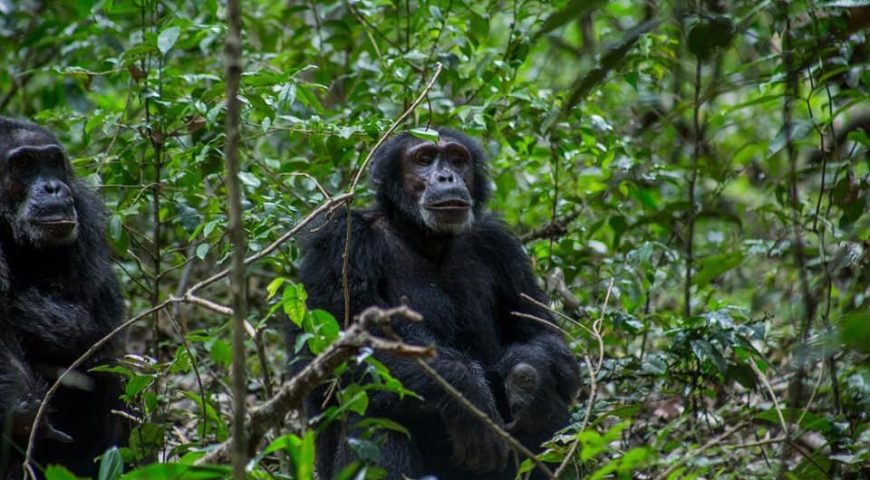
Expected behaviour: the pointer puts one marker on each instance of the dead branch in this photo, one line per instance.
(483, 417)
(236, 231)
(552, 230)
(271, 414)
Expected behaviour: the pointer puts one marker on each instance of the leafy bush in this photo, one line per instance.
(690, 181)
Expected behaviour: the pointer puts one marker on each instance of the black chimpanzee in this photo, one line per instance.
(58, 295)
(430, 243)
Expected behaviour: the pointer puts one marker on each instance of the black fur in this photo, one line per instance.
(55, 302)
(466, 287)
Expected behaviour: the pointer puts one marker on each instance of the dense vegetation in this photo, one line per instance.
(690, 178)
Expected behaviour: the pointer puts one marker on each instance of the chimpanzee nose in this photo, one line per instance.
(55, 188)
(445, 177)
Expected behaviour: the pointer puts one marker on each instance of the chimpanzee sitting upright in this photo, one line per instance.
(430, 243)
(58, 295)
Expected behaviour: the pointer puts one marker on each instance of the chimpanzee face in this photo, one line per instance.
(36, 201)
(439, 178)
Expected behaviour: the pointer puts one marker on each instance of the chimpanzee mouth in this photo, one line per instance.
(56, 221)
(58, 226)
(449, 205)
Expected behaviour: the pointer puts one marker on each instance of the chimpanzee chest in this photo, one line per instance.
(457, 301)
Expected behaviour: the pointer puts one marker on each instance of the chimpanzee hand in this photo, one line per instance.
(475, 447)
(521, 387)
(23, 416)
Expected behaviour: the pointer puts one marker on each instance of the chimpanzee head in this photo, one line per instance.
(37, 207)
(440, 186)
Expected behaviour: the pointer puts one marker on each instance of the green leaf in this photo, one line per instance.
(384, 424)
(274, 285)
(366, 450)
(426, 134)
(293, 302)
(57, 472)
(111, 465)
(704, 350)
(176, 471)
(855, 330)
(210, 227)
(301, 451)
(574, 9)
(808, 420)
(221, 353)
(307, 97)
(711, 267)
(610, 61)
(136, 385)
(709, 34)
(249, 179)
(181, 362)
(324, 327)
(355, 399)
(202, 250)
(593, 444)
(116, 233)
(167, 38)
(479, 27)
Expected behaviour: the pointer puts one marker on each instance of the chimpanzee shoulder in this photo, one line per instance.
(494, 242)
(321, 267)
(325, 241)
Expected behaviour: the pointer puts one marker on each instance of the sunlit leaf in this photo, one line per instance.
(167, 38)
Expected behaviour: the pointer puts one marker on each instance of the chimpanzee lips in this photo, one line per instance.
(449, 205)
(55, 221)
(59, 226)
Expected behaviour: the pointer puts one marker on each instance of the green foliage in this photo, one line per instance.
(689, 246)
(111, 465)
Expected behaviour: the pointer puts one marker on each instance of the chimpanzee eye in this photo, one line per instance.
(18, 163)
(56, 161)
(425, 158)
(458, 160)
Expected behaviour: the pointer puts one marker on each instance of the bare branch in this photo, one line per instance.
(483, 417)
(290, 396)
(236, 232)
(207, 304)
(552, 230)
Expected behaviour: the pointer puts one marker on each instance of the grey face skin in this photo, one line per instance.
(439, 177)
(39, 206)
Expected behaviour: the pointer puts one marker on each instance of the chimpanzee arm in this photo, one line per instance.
(321, 271)
(21, 393)
(63, 325)
(529, 341)
(20, 389)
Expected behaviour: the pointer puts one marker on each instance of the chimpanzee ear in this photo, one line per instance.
(381, 164)
(375, 174)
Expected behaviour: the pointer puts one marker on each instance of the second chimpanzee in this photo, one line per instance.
(58, 295)
(430, 243)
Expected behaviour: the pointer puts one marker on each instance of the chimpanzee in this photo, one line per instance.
(58, 295)
(429, 243)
